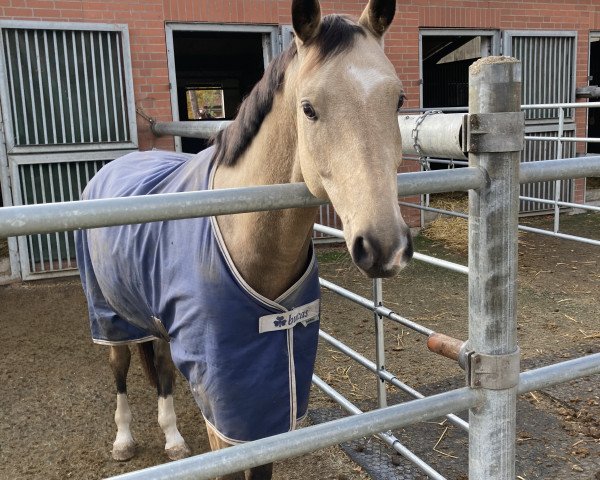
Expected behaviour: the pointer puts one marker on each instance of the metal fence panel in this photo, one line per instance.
(545, 150)
(51, 183)
(548, 66)
(64, 87)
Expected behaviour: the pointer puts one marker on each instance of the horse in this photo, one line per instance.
(233, 301)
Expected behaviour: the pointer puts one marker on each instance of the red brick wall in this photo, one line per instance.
(146, 19)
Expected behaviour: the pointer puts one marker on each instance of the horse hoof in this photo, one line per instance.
(122, 453)
(178, 452)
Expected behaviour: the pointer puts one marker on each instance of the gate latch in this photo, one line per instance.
(494, 372)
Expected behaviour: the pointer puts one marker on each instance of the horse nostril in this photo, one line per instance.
(361, 252)
(358, 249)
(366, 252)
(379, 260)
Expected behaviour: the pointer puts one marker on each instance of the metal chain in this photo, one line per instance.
(423, 159)
(144, 115)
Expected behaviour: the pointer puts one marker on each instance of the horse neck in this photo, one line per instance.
(269, 249)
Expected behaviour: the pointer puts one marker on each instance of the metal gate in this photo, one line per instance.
(549, 66)
(67, 102)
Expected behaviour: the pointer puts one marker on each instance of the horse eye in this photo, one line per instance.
(309, 111)
(401, 101)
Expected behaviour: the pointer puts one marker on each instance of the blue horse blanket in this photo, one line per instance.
(248, 360)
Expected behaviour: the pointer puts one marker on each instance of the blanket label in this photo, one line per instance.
(282, 321)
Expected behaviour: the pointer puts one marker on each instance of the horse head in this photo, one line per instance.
(346, 96)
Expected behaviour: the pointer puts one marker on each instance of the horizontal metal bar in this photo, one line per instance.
(309, 439)
(370, 305)
(73, 149)
(562, 105)
(562, 169)
(435, 210)
(438, 262)
(53, 217)
(36, 25)
(564, 236)
(435, 135)
(221, 27)
(56, 217)
(524, 107)
(332, 232)
(563, 139)
(388, 438)
(199, 129)
(561, 203)
(528, 199)
(438, 181)
(523, 228)
(441, 109)
(461, 163)
(384, 374)
(559, 373)
(312, 438)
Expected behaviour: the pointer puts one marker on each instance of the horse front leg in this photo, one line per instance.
(175, 446)
(124, 444)
(262, 472)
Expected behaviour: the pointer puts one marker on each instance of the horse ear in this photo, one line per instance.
(306, 18)
(378, 16)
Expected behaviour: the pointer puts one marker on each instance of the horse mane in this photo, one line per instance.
(337, 34)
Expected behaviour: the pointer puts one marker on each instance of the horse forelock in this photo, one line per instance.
(336, 35)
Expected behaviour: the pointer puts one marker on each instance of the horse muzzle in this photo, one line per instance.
(378, 260)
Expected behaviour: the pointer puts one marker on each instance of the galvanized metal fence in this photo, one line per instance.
(550, 196)
(66, 91)
(490, 356)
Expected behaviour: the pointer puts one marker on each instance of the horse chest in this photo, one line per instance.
(180, 273)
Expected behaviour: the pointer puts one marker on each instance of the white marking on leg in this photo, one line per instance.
(124, 439)
(168, 422)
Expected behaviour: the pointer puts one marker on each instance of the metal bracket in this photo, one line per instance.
(494, 372)
(495, 132)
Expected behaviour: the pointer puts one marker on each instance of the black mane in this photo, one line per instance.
(336, 35)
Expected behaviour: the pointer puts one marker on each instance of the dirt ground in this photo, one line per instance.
(57, 394)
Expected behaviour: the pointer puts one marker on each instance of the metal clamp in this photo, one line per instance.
(496, 132)
(494, 372)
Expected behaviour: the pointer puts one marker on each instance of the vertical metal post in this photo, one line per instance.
(379, 342)
(559, 154)
(494, 88)
(6, 192)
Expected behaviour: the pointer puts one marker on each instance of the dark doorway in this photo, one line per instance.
(594, 113)
(445, 67)
(214, 73)
(446, 58)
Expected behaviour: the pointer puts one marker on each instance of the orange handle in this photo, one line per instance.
(444, 345)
